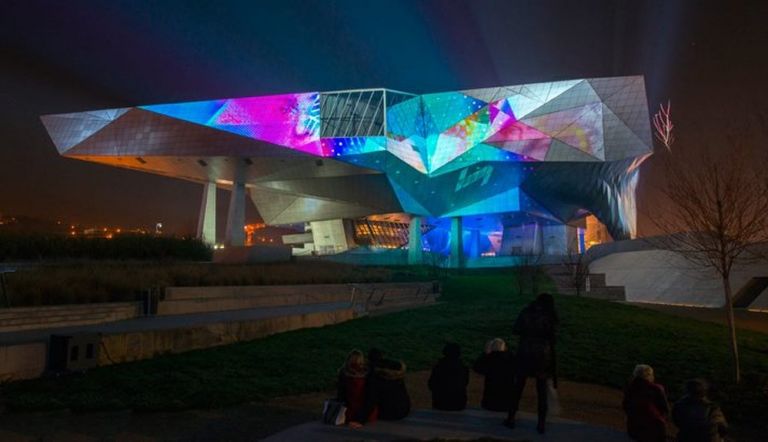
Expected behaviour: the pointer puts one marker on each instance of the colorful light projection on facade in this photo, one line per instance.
(291, 120)
(558, 150)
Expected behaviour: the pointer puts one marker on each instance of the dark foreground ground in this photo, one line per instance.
(589, 403)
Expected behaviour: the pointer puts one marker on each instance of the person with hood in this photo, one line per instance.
(497, 366)
(351, 387)
(448, 380)
(536, 326)
(645, 404)
(696, 417)
(385, 389)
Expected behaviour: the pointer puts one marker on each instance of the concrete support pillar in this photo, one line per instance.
(206, 222)
(235, 235)
(415, 249)
(474, 243)
(457, 243)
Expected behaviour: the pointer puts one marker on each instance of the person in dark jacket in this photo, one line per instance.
(696, 417)
(352, 385)
(385, 389)
(645, 404)
(497, 366)
(536, 326)
(448, 380)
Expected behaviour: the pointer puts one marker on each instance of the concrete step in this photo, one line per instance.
(565, 280)
(107, 315)
(66, 309)
(610, 293)
(65, 322)
(403, 301)
(217, 304)
(261, 291)
(398, 308)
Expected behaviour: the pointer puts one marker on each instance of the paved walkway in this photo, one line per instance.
(468, 424)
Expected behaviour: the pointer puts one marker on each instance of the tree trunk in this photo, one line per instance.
(732, 328)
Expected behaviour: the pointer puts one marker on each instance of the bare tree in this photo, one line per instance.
(719, 211)
(578, 270)
(528, 272)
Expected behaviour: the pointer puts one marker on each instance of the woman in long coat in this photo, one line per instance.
(536, 326)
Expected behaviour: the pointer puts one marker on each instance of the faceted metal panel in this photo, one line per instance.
(557, 149)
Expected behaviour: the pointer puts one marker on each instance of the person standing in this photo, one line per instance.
(696, 417)
(645, 404)
(448, 380)
(496, 365)
(536, 325)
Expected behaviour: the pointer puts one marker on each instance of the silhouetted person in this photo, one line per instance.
(497, 366)
(645, 404)
(696, 417)
(351, 387)
(448, 380)
(385, 389)
(536, 326)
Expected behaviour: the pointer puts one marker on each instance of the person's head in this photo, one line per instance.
(375, 356)
(452, 350)
(495, 344)
(355, 360)
(546, 301)
(643, 371)
(696, 388)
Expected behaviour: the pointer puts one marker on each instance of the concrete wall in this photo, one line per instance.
(147, 344)
(330, 236)
(29, 360)
(186, 300)
(660, 276)
(41, 317)
(23, 356)
(22, 361)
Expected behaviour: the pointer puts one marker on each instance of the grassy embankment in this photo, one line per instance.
(599, 342)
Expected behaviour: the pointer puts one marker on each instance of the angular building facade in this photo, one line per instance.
(494, 171)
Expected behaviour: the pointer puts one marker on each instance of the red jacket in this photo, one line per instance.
(351, 391)
(646, 406)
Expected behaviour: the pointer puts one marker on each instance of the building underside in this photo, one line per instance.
(495, 171)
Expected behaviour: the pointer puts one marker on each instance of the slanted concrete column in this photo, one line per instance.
(457, 243)
(236, 216)
(206, 222)
(415, 249)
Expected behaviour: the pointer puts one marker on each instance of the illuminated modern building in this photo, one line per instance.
(494, 171)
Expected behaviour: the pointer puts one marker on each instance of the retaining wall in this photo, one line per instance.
(41, 317)
(664, 277)
(186, 300)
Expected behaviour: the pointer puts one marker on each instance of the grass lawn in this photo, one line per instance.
(599, 342)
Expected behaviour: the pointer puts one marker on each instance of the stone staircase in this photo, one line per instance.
(32, 318)
(597, 288)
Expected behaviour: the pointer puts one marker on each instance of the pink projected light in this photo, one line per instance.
(291, 120)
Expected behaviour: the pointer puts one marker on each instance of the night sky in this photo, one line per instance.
(709, 58)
